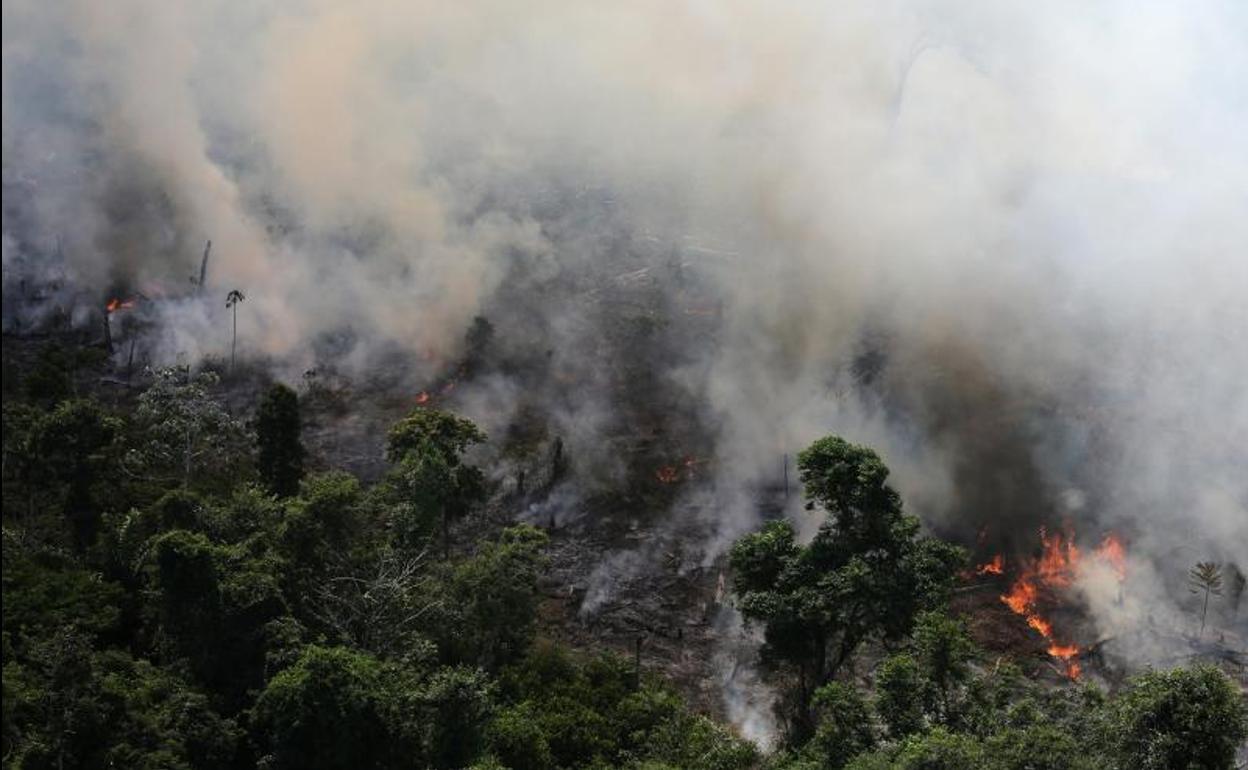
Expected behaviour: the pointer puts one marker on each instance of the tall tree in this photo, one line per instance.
(280, 452)
(76, 442)
(183, 433)
(1205, 577)
(428, 447)
(867, 572)
(231, 301)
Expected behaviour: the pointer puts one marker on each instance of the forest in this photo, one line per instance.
(182, 590)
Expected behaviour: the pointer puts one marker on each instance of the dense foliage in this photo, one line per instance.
(178, 593)
(867, 575)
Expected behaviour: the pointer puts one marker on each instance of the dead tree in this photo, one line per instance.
(376, 606)
(203, 269)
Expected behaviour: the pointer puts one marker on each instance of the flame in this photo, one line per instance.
(115, 304)
(1053, 570)
(1112, 551)
(1049, 570)
(423, 397)
(994, 566)
(1058, 559)
(670, 474)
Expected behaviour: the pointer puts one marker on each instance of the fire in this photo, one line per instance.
(994, 566)
(1054, 570)
(670, 474)
(1113, 552)
(1058, 560)
(423, 397)
(118, 304)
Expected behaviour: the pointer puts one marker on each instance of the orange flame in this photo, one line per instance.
(1112, 551)
(1052, 569)
(423, 397)
(1055, 569)
(668, 474)
(118, 304)
(994, 566)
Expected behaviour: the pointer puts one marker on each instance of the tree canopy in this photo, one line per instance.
(868, 572)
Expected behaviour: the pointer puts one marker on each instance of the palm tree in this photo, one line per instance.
(1205, 576)
(231, 301)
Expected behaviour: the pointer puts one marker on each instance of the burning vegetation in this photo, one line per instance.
(1046, 582)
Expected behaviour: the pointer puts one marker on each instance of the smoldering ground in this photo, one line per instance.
(1003, 243)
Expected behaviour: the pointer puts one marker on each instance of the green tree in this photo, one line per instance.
(68, 707)
(1185, 719)
(492, 599)
(320, 533)
(75, 443)
(183, 434)
(337, 709)
(458, 702)
(190, 602)
(279, 457)
(25, 475)
(566, 712)
(900, 695)
(516, 738)
(428, 447)
(44, 593)
(944, 650)
(51, 379)
(1039, 747)
(844, 728)
(940, 750)
(866, 572)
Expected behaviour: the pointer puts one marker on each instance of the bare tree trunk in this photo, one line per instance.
(234, 338)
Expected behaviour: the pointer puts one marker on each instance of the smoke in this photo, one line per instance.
(1003, 243)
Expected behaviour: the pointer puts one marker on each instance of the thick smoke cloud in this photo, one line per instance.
(1002, 242)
